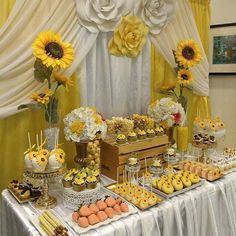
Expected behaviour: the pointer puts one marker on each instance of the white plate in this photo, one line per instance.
(78, 229)
(35, 221)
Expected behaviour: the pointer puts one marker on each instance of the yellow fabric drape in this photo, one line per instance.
(162, 74)
(13, 130)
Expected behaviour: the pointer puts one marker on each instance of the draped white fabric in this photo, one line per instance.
(116, 86)
(184, 27)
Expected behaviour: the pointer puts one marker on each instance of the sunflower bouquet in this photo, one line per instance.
(187, 55)
(52, 54)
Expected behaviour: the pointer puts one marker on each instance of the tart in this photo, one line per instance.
(150, 133)
(78, 185)
(142, 134)
(91, 182)
(159, 131)
(121, 139)
(132, 136)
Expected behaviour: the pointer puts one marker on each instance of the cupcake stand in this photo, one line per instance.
(45, 201)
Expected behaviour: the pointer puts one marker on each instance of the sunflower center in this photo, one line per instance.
(54, 50)
(188, 53)
(42, 159)
(184, 77)
(42, 95)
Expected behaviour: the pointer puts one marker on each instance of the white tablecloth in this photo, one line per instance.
(209, 210)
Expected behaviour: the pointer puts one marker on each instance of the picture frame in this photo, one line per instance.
(222, 48)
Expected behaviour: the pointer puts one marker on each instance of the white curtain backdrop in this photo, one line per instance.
(116, 86)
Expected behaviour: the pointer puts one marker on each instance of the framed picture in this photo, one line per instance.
(223, 49)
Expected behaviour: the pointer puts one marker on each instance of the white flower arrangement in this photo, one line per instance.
(167, 113)
(84, 124)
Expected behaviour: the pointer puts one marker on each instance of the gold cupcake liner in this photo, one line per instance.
(67, 184)
(78, 188)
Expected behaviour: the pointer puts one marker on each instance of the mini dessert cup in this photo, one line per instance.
(78, 187)
(91, 185)
(67, 183)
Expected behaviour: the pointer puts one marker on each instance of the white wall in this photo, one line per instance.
(222, 87)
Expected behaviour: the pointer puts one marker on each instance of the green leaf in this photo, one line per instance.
(29, 105)
(41, 71)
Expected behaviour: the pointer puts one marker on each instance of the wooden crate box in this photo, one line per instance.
(115, 155)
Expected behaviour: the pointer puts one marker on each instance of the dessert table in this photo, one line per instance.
(209, 210)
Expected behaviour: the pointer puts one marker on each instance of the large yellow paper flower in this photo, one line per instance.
(52, 51)
(129, 38)
(184, 76)
(62, 80)
(42, 98)
(188, 53)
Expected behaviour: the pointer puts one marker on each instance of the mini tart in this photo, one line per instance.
(91, 182)
(67, 181)
(121, 139)
(78, 185)
(132, 136)
(150, 133)
(159, 131)
(142, 134)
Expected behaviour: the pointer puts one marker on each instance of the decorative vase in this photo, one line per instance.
(88, 154)
(51, 134)
(170, 133)
(182, 138)
(183, 101)
(81, 150)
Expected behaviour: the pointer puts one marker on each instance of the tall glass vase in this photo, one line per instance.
(51, 134)
(170, 133)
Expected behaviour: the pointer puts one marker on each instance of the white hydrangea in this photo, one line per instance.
(167, 110)
(91, 128)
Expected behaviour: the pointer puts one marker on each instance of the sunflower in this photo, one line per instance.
(184, 76)
(202, 125)
(60, 158)
(188, 53)
(41, 160)
(52, 51)
(221, 125)
(42, 98)
(62, 80)
(213, 127)
(77, 127)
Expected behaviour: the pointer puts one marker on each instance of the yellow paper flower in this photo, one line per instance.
(184, 76)
(188, 53)
(77, 127)
(42, 98)
(221, 125)
(63, 80)
(213, 126)
(52, 51)
(41, 160)
(60, 158)
(129, 38)
(202, 125)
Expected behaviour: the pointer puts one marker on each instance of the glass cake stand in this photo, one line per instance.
(45, 201)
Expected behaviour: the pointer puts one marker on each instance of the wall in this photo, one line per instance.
(223, 87)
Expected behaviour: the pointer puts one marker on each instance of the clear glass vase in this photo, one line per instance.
(52, 135)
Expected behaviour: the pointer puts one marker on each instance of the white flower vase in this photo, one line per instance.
(51, 134)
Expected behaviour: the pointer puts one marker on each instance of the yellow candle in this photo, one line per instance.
(182, 139)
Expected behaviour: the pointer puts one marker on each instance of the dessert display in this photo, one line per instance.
(142, 134)
(142, 122)
(23, 192)
(100, 211)
(150, 133)
(159, 131)
(135, 194)
(208, 172)
(204, 139)
(121, 139)
(51, 225)
(132, 136)
(174, 183)
(39, 159)
(81, 179)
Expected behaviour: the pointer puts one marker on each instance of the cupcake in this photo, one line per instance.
(121, 139)
(78, 185)
(142, 134)
(81, 175)
(150, 133)
(91, 182)
(159, 131)
(132, 162)
(67, 181)
(96, 173)
(132, 136)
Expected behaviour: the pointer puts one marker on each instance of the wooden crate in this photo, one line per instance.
(115, 155)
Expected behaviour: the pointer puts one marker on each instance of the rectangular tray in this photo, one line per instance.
(177, 192)
(22, 201)
(111, 186)
(79, 230)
